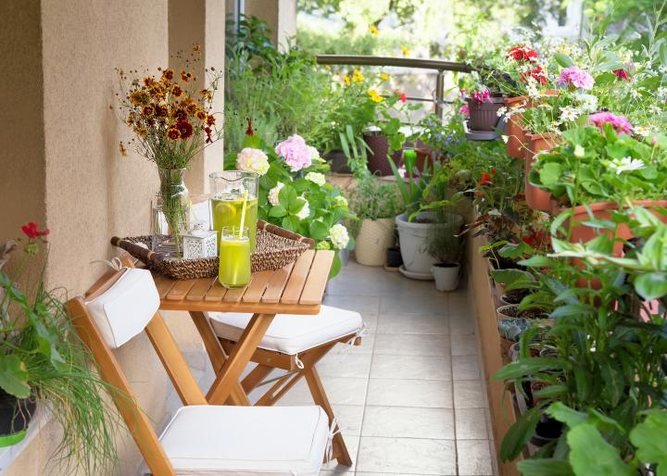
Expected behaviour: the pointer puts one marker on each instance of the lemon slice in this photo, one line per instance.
(225, 209)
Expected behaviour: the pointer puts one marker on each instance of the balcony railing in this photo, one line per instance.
(441, 67)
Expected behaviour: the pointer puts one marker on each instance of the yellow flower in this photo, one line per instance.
(384, 76)
(357, 77)
(405, 50)
(375, 96)
(374, 30)
(346, 79)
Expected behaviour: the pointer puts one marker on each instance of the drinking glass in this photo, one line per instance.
(234, 268)
(228, 193)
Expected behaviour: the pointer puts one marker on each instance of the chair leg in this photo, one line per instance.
(340, 451)
(255, 377)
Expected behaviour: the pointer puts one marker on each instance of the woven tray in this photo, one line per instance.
(275, 249)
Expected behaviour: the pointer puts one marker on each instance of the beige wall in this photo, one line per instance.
(61, 163)
(280, 16)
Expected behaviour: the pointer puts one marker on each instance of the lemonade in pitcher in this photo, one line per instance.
(229, 190)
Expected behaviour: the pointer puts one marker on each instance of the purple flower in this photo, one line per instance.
(575, 77)
(295, 152)
(619, 123)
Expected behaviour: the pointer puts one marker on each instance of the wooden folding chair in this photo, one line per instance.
(295, 344)
(200, 438)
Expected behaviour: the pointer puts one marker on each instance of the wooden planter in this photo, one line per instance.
(537, 198)
(516, 136)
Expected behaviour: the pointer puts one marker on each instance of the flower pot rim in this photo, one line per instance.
(542, 135)
(599, 206)
(446, 264)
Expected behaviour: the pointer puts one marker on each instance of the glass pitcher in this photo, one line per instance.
(227, 194)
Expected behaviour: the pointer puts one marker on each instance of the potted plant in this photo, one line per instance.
(445, 245)
(45, 364)
(483, 110)
(375, 204)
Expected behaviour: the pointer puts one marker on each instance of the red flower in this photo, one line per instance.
(208, 131)
(536, 239)
(622, 74)
(537, 73)
(522, 53)
(249, 131)
(160, 111)
(185, 128)
(403, 97)
(173, 133)
(484, 180)
(210, 120)
(180, 115)
(32, 231)
(176, 91)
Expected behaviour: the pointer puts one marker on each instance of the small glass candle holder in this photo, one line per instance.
(234, 268)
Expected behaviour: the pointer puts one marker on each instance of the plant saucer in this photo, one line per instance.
(414, 275)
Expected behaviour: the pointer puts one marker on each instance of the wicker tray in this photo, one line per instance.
(275, 249)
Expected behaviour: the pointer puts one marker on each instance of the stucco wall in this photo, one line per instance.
(280, 16)
(62, 166)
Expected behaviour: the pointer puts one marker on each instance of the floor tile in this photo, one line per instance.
(345, 364)
(390, 323)
(419, 304)
(474, 458)
(407, 422)
(464, 344)
(349, 418)
(469, 394)
(421, 367)
(360, 303)
(366, 346)
(332, 467)
(340, 390)
(471, 424)
(407, 455)
(466, 367)
(411, 344)
(410, 393)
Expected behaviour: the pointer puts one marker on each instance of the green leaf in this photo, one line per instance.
(550, 174)
(335, 266)
(650, 438)
(592, 455)
(277, 211)
(318, 230)
(567, 415)
(563, 60)
(519, 434)
(651, 285)
(14, 376)
(544, 467)
(529, 366)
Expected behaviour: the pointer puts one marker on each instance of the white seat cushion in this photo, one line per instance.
(214, 439)
(291, 333)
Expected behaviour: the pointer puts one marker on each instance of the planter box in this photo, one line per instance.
(516, 136)
(537, 198)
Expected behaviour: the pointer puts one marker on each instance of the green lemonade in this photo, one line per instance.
(234, 269)
(227, 212)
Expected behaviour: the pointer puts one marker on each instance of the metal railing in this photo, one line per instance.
(440, 66)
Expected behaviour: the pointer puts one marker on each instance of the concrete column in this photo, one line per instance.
(280, 16)
(200, 22)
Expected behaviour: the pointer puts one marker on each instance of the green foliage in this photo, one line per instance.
(372, 199)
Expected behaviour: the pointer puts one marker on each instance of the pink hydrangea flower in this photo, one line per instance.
(575, 77)
(296, 153)
(620, 123)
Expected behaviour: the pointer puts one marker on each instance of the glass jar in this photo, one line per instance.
(229, 189)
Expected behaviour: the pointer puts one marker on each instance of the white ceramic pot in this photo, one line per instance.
(412, 237)
(446, 276)
(374, 237)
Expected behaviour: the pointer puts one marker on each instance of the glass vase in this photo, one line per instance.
(171, 212)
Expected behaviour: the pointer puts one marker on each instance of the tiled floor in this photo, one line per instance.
(409, 400)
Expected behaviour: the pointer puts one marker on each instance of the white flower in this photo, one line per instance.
(579, 151)
(341, 201)
(252, 160)
(305, 211)
(588, 103)
(494, 213)
(339, 236)
(568, 113)
(635, 93)
(273, 196)
(316, 177)
(314, 153)
(642, 131)
(626, 164)
(501, 111)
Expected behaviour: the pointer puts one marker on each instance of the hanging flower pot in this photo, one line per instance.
(484, 113)
(516, 136)
(537, 198)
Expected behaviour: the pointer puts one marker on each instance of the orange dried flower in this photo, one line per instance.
(210, 120)
(173, 133)
(168, 74)
(177, 91)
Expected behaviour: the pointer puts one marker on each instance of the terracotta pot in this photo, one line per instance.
(537, 198)
(516, 136)
(484, 116)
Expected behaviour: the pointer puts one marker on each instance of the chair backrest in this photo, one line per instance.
(102, 322)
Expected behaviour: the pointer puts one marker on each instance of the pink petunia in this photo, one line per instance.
(465, 110)
(622, 74)
(575, 77)
(619, 123)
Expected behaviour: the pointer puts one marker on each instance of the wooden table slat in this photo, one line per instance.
(298, 277)
(313, 290)
(235, 294)
(274, 290)
(163, 285)
(257, 286)
(199, 289)
(216, 292)
(179, 290)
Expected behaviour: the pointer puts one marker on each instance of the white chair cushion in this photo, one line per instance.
(123, 311)
(213, 439)
(291, 333)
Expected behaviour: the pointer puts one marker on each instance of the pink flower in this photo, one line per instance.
(481, 96)
(620, 123)
(575, 77)
(295, 152)
(465, 110)
(403, 97)
(621, 74)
